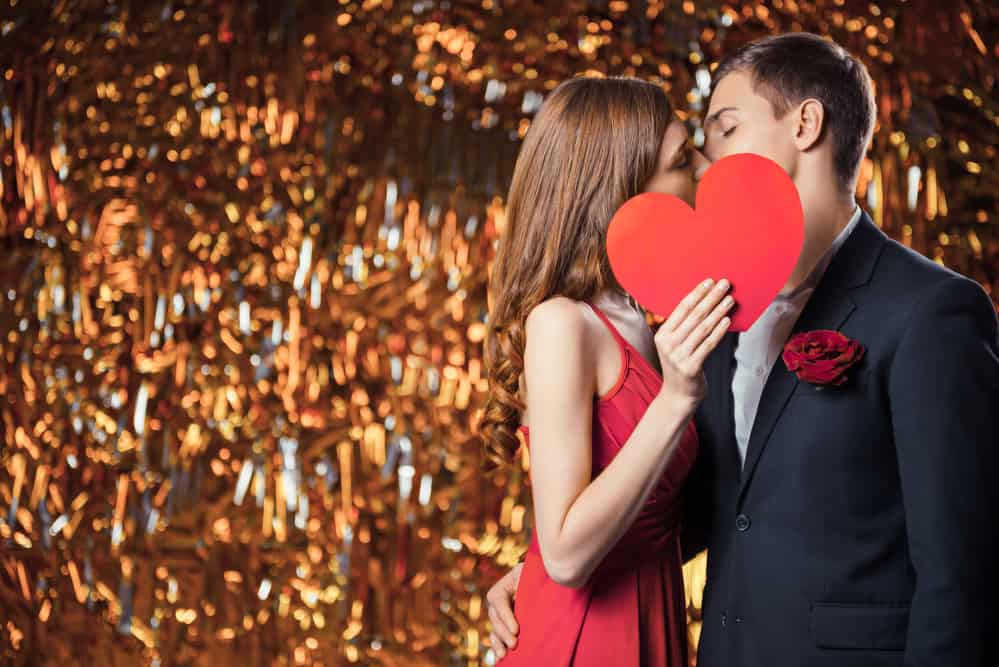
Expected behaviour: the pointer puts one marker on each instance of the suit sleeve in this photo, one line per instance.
(944, 394)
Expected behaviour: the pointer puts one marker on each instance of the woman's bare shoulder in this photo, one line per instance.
(557, 319)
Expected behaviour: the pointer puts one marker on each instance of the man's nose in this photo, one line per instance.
(701, 164)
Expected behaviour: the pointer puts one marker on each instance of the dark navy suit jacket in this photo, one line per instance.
(862, 529)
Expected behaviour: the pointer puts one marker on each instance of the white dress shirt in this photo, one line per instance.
(759, 347)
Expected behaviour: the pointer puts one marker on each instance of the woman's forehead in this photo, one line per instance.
(677, 130)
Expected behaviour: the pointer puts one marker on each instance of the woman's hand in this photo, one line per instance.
(688, 335)
(500, 602)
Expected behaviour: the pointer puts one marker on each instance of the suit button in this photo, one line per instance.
(724, 619)
(738, 619)
(742, 523)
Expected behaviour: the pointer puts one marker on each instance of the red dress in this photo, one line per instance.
(631, 612)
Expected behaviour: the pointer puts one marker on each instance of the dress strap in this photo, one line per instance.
(622, 346)
(610, 325)
(627, 349)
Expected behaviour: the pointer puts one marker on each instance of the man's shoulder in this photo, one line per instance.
(905, 277)
(907, 267)
(906, 282)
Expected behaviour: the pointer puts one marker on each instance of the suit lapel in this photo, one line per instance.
(722, 375)
(828, 308)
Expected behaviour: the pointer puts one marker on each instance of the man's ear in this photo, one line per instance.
(809, 120)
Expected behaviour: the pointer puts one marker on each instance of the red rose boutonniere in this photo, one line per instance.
(822, 357)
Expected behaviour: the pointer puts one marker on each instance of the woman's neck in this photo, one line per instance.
(617, 300)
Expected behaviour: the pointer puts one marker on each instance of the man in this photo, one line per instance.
(855, 524)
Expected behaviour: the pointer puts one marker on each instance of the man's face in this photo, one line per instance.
(740, 120)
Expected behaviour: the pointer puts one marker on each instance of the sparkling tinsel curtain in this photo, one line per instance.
(242, 296)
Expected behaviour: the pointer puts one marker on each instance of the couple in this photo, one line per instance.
(850, 520)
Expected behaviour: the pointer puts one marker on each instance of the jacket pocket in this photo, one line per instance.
(857, 626)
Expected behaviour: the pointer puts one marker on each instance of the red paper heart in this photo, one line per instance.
(748, 227)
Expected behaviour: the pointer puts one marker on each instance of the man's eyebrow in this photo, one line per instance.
(713, 117)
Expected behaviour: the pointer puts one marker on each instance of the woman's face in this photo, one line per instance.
(679, 167)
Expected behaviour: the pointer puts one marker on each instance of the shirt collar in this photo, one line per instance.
(820, 268)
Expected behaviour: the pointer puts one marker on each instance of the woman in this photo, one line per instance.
(605, 408)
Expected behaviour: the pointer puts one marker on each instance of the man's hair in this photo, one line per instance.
(788, 69)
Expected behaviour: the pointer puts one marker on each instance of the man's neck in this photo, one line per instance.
(824, 220)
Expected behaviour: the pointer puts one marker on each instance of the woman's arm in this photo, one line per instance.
(579, 520)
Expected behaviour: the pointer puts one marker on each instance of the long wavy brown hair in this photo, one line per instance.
(593, 144)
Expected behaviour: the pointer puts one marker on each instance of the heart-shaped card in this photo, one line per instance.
(747, 226)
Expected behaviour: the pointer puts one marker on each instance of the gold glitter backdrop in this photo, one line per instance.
(245, 247)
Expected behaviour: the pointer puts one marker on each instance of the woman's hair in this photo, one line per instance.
(593, 144)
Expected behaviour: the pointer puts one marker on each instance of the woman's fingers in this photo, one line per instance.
(679, 349)
(498, 648)
(687, 304)
(701, 311)
(500, 602)
(706, 326)
(501, 631)
(711, 342)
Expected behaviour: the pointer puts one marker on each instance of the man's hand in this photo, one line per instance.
(500, 602)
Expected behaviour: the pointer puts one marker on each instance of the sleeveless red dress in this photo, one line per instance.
(631, 612)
